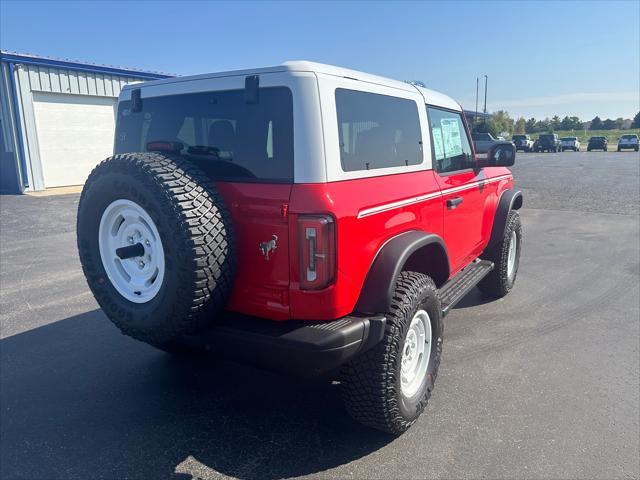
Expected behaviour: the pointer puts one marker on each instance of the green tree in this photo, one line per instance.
(530, 126)
(520, 126)
(576, 123)
(502, 122)
(555, 122)
(566, 123)
(608, 124)
(636, 121)
(544, 126)
(619, 122)
(596, 123)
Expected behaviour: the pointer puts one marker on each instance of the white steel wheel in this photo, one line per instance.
(511, 258)
(135, 272)
(416, 352)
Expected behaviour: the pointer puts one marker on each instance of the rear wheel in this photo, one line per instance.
(156, 246)
(388, 387)
(506, 257)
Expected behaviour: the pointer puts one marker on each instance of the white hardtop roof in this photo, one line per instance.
(431, 97)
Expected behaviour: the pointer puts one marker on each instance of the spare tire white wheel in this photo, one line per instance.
(156, 246)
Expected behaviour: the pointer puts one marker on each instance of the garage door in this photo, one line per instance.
(75, 132)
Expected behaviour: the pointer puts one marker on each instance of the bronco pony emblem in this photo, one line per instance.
(267, 247)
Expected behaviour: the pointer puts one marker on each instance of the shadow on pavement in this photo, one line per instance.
(80, 400)
(474, 298)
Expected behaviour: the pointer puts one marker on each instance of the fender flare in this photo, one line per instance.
(509, 200)
(379, 285)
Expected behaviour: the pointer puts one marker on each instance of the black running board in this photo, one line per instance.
(455, 289)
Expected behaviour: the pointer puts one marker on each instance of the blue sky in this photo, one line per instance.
(542, 58)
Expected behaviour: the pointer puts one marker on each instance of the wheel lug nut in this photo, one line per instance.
(147, 243)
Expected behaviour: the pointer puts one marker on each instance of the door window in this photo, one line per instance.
(449, 140)
(377, 131)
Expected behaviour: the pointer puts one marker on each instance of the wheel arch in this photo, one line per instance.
(414, 250)
(509, 200)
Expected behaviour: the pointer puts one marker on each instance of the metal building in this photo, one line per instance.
(57, 119)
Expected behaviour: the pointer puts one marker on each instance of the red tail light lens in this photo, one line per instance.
(317, 249)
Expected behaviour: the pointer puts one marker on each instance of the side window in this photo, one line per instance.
(377, 131)
(451, 148)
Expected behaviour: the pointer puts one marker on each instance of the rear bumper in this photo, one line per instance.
(630, 146)
(301, 347)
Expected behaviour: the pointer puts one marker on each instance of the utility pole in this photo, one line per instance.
(485, 93)
(475, 112)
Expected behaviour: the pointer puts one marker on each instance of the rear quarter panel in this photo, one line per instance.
(367, 215)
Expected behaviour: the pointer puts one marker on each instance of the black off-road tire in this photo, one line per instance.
(371, 381)
(197, 238)
(498, 283)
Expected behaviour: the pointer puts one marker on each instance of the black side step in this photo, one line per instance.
(455, 289)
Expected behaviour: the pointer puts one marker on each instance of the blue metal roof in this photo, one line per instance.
(27, 58)
(471, 113)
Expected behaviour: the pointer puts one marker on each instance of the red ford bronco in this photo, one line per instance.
(304, 217)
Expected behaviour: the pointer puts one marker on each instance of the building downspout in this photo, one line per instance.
(22, 160)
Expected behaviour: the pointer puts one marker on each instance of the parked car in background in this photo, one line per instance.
(548, 142)
(598, 143)
(628, 141)
(483, 142)
(570, 143)
(522, 142)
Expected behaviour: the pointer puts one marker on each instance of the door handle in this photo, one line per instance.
(452, 203)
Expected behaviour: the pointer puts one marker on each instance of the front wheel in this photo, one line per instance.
(506, 257)
(388, 387)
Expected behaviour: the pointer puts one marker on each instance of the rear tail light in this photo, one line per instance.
(317, 249)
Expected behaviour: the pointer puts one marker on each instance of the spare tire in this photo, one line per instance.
(156, 245)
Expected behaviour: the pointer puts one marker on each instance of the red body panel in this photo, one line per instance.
(261, 286)
(368, 212)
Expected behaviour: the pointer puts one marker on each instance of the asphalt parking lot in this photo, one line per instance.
(541, 384)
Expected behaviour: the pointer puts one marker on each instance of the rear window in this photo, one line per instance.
(547, 137)
(568, 139)
(227, 137)
(377, 131)
(629, 137)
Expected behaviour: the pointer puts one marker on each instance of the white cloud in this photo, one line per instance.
(567, 99)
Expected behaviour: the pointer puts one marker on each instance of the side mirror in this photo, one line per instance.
(501, 155)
